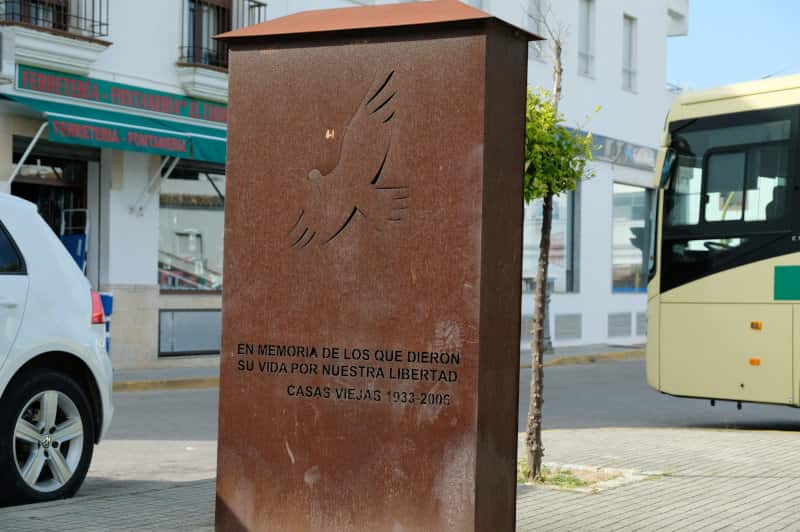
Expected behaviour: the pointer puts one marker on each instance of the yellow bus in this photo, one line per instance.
(724, 290)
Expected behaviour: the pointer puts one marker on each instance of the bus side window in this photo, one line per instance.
(724, 199)
(747, 184)
(767, 168)
(682, 206)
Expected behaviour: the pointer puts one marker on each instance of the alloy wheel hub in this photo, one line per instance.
(48, 441)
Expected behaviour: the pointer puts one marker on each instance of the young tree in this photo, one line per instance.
(555, 160)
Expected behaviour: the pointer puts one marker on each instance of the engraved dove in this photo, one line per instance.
(352, 190)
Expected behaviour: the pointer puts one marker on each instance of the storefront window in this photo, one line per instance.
(560, 269)
(634, 212)
(191, 229)
(58, 189)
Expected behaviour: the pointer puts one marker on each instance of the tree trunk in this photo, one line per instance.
(533, 438)
(534, 434)
(558, 72)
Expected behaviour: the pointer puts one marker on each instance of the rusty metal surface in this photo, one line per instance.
(354, 220)
(367, 17)
(501, 271)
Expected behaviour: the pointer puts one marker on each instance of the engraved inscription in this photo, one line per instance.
(386, 374)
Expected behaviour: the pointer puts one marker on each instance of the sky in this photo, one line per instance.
(735, 40)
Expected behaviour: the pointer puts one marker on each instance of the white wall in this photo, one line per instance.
(129, 241)
(635, 117)
(146, 40)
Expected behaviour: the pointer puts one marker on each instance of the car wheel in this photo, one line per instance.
(46, 438)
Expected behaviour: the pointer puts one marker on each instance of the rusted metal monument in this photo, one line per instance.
(371, 313)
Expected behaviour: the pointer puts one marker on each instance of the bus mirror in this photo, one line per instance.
(637, 239)
(664, 163)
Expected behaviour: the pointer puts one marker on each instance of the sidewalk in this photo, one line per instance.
(696, 480)
(208, 376)
(699, 480)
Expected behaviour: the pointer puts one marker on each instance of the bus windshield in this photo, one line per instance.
(729, 192)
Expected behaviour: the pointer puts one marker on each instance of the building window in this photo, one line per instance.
(629, 53)
(256, 12)
(82, 17)
(562, 253)
(202, 19)
(634, 217)
(47, 14)
(191, 229)
(185, 332)
(534, 21)
(248, 12)
(586, 38)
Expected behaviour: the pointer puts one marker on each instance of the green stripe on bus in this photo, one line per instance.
(787, 283)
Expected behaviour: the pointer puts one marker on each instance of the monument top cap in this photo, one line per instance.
(367, 17)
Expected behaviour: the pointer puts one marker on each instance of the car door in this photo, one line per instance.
(13, 291)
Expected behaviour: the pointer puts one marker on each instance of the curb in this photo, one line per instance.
(614, 356)
(213, 382)
(166, 384)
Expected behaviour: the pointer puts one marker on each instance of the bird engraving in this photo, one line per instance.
(355, 188)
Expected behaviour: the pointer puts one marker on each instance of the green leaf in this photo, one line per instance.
(555, 156)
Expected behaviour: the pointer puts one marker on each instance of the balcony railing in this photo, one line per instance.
(88, 18)
(202, 19)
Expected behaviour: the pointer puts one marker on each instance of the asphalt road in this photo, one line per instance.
(157, 439)
(613, 394)
(616, 394)
(189, 415)
(162, 438)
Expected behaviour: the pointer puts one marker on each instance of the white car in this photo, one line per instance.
(55, 374)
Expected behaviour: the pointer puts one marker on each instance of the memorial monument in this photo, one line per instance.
(373, 240)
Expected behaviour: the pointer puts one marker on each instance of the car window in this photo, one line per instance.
(10, 259)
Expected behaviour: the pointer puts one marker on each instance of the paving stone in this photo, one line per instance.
(715, 479)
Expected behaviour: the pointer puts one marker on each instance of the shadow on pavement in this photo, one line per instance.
(750, 425)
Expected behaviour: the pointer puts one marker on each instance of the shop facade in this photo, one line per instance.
(134, 178)
(117, 111)
(113, 120)
(125, 158)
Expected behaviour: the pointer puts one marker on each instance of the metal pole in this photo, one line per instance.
(216, 189)
(135, 207)
(25, 155)
(165, 176)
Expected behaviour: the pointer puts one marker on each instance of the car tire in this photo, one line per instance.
(47, 436)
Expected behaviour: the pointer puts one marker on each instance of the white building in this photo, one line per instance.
(118, 109)
(614, 56)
